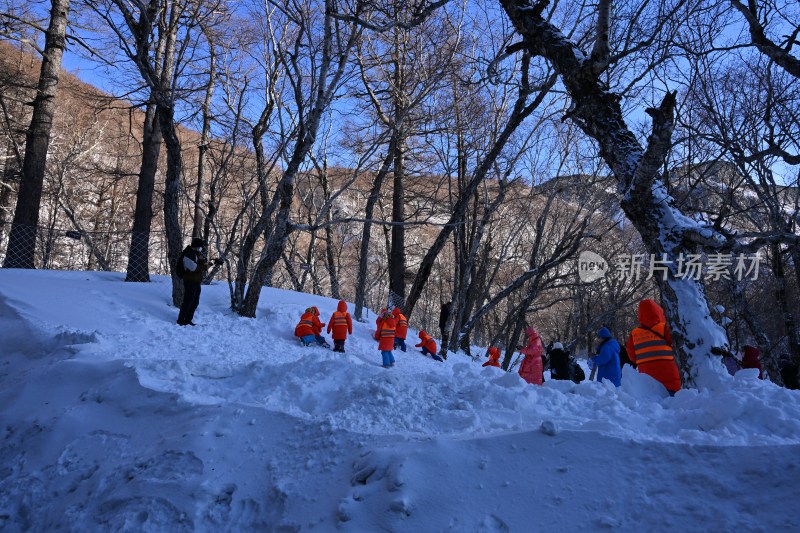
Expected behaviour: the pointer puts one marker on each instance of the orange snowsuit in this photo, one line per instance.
(402, 324)
(427, 342)
(386, 331)
(306, 324)
(494, 358)
(650, 346)
(340, 323)
(378, 322)
(317, 325)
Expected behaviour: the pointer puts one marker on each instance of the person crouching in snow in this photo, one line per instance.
(317, 327)
(531, 367)
(428, 346)
(401, 330)
(386, 338)
(305, 328)
(607, 358)
(341, 324)
(494, 358)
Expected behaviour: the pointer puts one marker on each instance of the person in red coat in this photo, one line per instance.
(750, 360)
(531, 367)
(341, 325)
(401, 331)
(386, 331)
(494, 358)
(650, 347)
(428, 345)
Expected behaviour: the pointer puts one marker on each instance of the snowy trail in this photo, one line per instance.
(116, 419)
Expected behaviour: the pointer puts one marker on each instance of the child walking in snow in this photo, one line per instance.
(386, 329)
(401, 330)
(341, 324)
(531, 367)
(428, 346)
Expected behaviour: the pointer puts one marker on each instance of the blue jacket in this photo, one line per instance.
(607, 361)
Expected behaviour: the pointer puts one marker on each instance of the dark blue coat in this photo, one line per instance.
(607, 361)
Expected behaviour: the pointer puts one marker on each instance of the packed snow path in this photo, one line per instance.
(116, 419)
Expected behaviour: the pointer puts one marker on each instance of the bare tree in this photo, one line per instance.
(666, 232)
(22, 240)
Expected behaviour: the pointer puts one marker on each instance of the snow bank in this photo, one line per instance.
(116, 418)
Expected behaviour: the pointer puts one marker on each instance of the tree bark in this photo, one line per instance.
(21, 249)
(139, 254)
(369, 210)
(666, 232)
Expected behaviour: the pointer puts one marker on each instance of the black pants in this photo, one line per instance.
(191, 298)
(338, 346)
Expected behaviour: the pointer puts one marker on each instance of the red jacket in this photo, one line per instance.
(494, 357)
(531, 368)
(750, 360)
(386, 333)
(306, 324)
(650, 346)
(401, 330)
(340, 322)
(427, 342)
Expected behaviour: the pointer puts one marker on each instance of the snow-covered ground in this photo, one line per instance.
(116, 419)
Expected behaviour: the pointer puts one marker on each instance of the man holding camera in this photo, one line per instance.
(192, 266)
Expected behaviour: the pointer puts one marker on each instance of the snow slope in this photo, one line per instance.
(116, 419)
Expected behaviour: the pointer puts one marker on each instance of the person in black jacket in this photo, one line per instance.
(559, 362)
(192, 266)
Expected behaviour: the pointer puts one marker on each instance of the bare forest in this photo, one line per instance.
(423, 154)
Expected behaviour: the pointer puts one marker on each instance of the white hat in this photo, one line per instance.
(558, 346)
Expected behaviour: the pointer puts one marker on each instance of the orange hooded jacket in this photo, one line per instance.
(427, 342)
(306, 324)
(317, 326)
(386, 332)
(650, 346)
(494, 357)
(402, 324)
(378, 322)
(340, 323)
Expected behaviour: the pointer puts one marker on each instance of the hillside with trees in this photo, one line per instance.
(417, 154)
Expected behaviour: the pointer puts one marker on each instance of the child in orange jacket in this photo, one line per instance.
(401, 330)
(309, 329)
(494, 358)
(386, 331)
(378, 322)
(341, 324)
(428, 345)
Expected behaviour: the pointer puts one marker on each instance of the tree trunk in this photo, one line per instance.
(139, 255)
(665, 231)
(520, 112)
(397, 255)
(363, 257)
(21, 249)
(205, 137)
